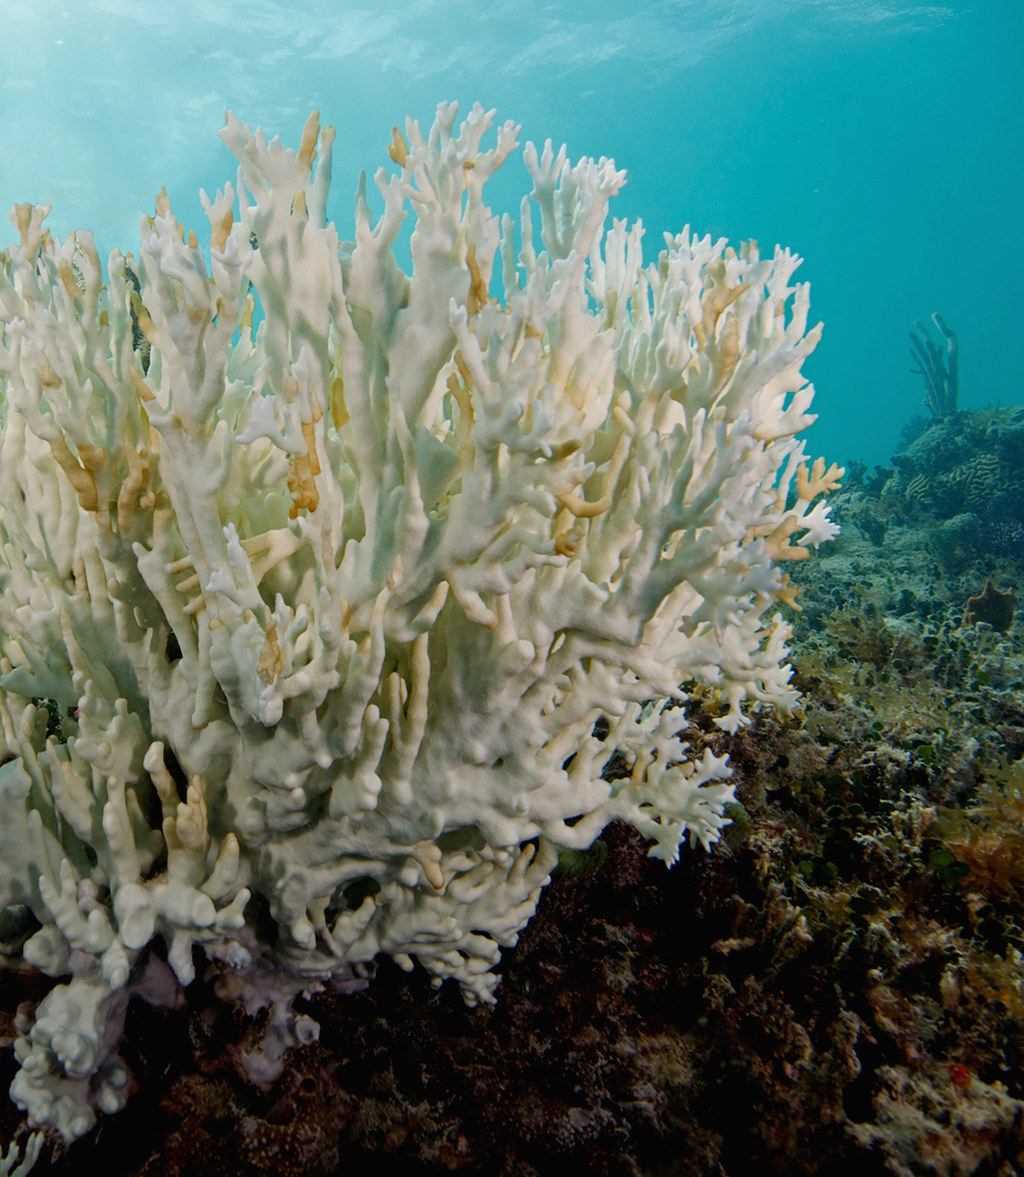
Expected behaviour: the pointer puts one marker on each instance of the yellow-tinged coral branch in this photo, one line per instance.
(310, 135)
(581, 508)
(398, 149)
(820, 480)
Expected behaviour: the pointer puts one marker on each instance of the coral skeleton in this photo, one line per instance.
(318, 574)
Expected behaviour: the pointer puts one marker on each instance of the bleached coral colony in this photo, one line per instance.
(317, 573)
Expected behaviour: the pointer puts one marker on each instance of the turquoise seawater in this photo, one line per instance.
(879, 139)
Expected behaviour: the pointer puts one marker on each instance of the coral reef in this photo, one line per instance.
(964, 472)
(339, 601)
(846, 967)
(827, 970)
(836, 988)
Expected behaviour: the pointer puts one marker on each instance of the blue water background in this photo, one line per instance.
(882, 141)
